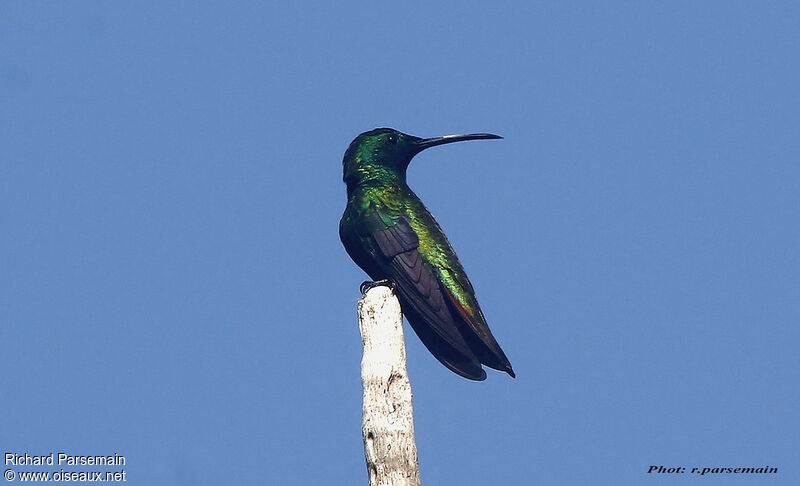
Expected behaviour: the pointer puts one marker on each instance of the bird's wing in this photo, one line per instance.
(460, 297)
(399, 245)
(419, 287)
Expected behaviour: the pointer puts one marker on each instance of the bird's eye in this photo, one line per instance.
(392, 139)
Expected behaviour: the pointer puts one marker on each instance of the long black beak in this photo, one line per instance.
(426, 143)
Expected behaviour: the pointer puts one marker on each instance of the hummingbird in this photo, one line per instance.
(388, 232)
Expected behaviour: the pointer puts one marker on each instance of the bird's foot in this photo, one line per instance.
(367, 285)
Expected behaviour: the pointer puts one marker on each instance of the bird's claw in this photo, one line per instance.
(367, 285)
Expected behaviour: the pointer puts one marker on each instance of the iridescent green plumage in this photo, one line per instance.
(390, 234)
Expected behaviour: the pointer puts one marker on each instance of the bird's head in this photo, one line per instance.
(383, 154)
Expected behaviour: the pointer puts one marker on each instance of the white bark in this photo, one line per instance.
(387, 416)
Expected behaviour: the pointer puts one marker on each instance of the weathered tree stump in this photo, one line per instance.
(387, 422)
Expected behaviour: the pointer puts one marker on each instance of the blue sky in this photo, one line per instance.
(172, 286)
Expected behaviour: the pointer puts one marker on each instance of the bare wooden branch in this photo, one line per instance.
(387, 421)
